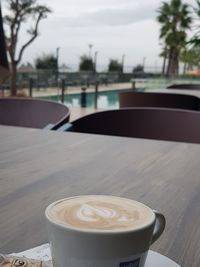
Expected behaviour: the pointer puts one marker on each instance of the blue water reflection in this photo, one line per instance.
(107, 99)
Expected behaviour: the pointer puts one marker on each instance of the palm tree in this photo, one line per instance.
(195, 40)
(164, 54)
(186, 57)
(175, 20)
(190, 57)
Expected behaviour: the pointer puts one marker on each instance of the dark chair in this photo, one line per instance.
(151, 123)
(165, 100)
(189, 86)
(34, 113)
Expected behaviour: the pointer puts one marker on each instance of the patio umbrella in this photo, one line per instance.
(4, 66)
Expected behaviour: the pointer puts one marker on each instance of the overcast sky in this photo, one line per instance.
(113, 27)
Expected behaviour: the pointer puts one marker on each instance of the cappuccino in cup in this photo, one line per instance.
(96, 231)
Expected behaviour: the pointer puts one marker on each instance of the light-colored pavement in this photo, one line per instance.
(76, 112)
(177, 91)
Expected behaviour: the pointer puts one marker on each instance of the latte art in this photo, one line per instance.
(88, 212)
(101, 213)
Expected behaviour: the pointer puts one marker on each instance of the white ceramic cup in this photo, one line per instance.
(72, 247)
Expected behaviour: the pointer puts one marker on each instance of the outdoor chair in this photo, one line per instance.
(189, 86)
(34, 113)
(150, 123)
(165, 100)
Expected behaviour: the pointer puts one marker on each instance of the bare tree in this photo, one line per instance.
(20, 12)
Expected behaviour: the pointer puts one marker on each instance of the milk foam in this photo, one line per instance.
(101, 213)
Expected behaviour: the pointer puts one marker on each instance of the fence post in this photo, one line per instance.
(96, 95)
(83, 98)
(30, 87)
(63, 91)
(133, 84)
(2, 91)
(88, 82)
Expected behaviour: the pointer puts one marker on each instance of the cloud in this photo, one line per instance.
(110, 17)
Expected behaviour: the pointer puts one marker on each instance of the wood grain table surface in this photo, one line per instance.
(38, 167)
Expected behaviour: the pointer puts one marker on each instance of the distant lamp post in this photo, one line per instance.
(57, 63)
(123, 60)
(144, 61)
(90, 50)
(156, 66)
(95, 61)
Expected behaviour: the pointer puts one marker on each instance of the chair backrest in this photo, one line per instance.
(189, 86)
(151, 123)
(34, 113)
(138, 99)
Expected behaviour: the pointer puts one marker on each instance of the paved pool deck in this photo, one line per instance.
(177, 91)
(43, 92)
(77, 112)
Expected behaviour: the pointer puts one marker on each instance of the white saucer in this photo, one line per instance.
(154, 259)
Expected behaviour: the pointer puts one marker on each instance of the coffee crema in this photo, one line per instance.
(103, 213)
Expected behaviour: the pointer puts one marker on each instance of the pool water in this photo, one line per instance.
(107, 99)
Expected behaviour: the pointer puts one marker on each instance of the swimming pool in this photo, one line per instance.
(109, 99)
(106, 99)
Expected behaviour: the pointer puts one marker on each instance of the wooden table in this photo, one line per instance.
(40, 166)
